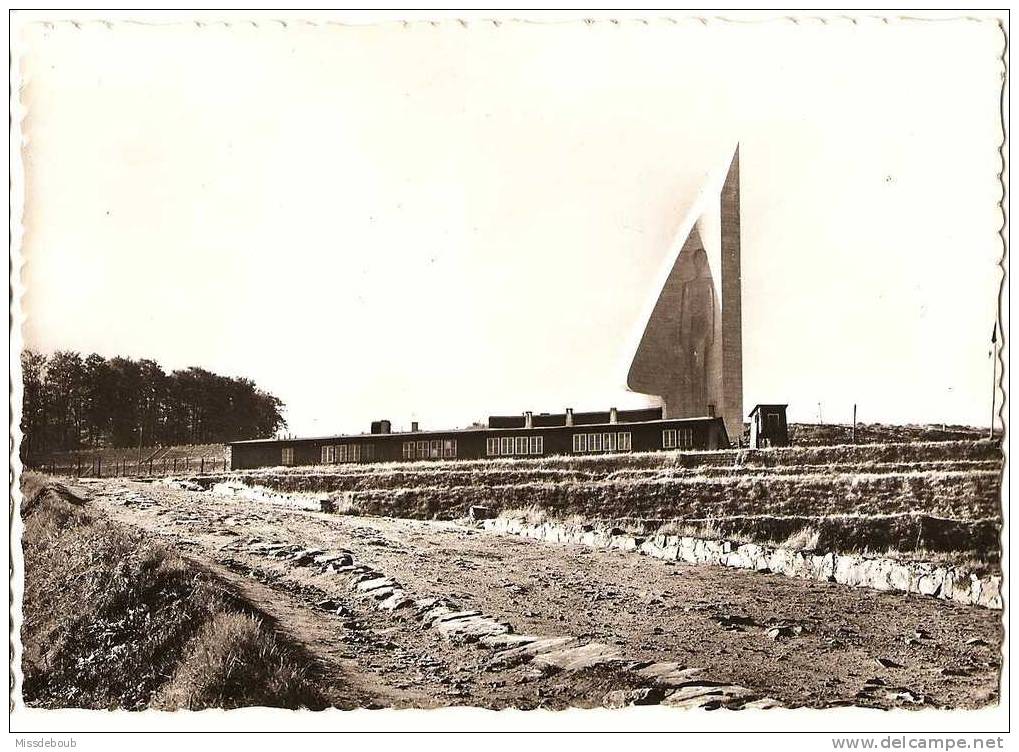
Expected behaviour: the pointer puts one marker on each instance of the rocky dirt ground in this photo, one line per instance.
(423, 614)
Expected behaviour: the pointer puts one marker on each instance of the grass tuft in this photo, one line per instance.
(234, 661)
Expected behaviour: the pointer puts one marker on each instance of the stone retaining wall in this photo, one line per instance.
(939, 581)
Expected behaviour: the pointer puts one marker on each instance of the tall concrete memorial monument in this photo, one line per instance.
(690, 354)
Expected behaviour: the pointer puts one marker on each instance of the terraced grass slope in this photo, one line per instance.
(823, 434)
(930, 496)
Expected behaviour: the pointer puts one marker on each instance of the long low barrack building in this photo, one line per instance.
(528, 435)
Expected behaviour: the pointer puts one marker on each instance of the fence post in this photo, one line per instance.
(99, 472)
(202, 470)
(150, 467)
(174, 465)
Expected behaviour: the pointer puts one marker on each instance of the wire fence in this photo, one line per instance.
(96, 468)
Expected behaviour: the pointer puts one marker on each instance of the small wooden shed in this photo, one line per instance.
(768, 426)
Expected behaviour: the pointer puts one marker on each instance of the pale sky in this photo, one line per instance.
(440, 222)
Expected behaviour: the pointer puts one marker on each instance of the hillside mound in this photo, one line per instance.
(113, 620)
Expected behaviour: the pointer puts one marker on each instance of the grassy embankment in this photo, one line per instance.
(815, 434)
(113, 620)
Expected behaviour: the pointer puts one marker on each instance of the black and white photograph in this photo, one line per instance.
(619, 372)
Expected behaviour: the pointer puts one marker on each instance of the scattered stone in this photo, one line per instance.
(977, 641)
(340, 558)
(670, 674)
(361, 574)
(622, 698)
(451, 616)
(381, 593)
(531, 649)
(373, 583)
(428, 616)
(397, 600)
(731, 623)
(765, 703)
(784, 631)
(585, 656)
(654, 670)
(703, 695)
(424, 604)
(305, 557)
(499, 642)
(471, 629)
(478, 512)
(887, 663)
(911, 697)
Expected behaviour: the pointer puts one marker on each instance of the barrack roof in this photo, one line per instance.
(441, 432)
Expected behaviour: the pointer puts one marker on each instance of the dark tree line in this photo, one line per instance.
(73, 402)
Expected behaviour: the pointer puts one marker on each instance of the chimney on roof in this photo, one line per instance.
(414, 428)
(613, 415)
(381, 426)
(569, 416)
(528, 419)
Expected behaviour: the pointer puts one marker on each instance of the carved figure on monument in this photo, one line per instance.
(697, 329)
(689, 353)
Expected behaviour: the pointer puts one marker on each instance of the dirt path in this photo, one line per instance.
(800, 642)
(346, 684)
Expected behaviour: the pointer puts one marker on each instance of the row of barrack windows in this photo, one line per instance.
(429, 449)
(618, 441)
(337, 453)
(507, 446)
(503, 446)
(677, 438)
